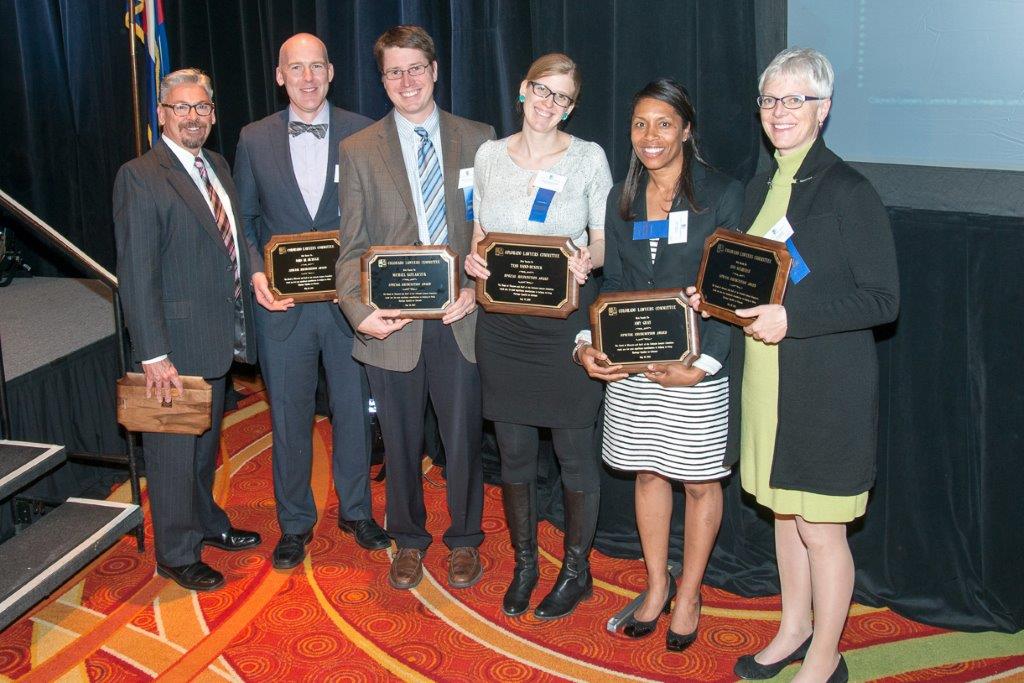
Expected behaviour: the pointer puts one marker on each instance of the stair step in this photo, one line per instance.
(36, 562)
(22, 462)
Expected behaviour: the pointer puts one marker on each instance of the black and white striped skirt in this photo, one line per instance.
(678, 432)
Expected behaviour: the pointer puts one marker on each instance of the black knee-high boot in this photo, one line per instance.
(574, 582)
(521, 511)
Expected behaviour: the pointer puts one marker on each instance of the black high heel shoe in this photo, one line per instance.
(750, 669)
(677, 642)
(635, 628)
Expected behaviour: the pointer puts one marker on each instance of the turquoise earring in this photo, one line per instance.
(522, 98)
(565, 116)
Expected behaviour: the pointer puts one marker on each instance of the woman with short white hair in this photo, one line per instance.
(804, 386)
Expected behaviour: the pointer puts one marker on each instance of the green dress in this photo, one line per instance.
(760, 394)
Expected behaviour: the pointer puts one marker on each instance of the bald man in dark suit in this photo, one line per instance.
(286, 172)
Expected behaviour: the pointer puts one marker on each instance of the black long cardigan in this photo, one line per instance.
(828, 367)
(627, 262)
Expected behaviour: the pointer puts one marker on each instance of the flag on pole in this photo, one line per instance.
(146, 18)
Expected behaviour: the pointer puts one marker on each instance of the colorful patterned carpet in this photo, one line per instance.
(335, 618)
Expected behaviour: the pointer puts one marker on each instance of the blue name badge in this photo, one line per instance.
(541, 204)
(799, 270)
(467, 194)
(650, 230)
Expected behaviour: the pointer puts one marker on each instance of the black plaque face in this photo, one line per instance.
(738, 270)
(645, 329)
(529, 275)
(301, 266)
(410, 281)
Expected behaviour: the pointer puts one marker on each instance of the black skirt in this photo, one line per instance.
(526, 370)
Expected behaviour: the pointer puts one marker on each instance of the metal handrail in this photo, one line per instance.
(58, 240)
(87, 263)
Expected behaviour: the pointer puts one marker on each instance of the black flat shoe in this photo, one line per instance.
(367, 533)
(291, 550)
(197, 576)
(677, 642)
(841, 674)
(749, 669)
(233, 539)
(634, 628)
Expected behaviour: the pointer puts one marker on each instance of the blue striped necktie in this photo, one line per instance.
(432, 188)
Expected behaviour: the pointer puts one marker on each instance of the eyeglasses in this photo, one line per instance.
(182, 109)
(542, 91)
(788, 101)
(414, 70)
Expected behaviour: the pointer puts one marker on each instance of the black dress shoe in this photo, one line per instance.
(367, 532)
(234, 539)
(197, 576)
(677, 642)
(634, 628)
(291, 550)
(748, 668)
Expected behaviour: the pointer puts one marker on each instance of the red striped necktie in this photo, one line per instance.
(223, 224)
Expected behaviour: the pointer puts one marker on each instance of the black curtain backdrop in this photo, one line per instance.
(942, 541)
(66, 80)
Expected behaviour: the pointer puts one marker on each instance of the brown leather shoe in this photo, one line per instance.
(406, 569)
(464, 568)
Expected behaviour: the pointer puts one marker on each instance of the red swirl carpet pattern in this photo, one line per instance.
(335, 618)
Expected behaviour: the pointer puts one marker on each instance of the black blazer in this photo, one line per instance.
(174, 273)
(272, 203)
(828, 367)
(627, 262)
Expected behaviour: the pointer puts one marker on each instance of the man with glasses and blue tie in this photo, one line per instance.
(401, 185)
(286, 171)
(181, 264)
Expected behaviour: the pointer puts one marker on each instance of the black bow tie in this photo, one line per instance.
(298, 128)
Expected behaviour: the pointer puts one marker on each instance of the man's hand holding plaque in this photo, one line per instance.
(740, 272)
(528, 274)
(299, 269)
(409, 282)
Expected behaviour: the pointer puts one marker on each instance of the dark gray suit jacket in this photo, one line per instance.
(377, 208)
(175, 275)
(272, 203)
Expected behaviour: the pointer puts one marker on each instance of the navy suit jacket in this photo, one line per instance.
(272, 204)
(174, 272)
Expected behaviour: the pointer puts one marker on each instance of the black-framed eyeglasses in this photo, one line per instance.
(542, 91)
(414, 70)
(182, 109)
(788, 101)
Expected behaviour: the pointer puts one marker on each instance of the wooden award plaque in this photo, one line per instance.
(739, 270)
(420, 281)
(529, 275)
(301, 265)
(635, 329)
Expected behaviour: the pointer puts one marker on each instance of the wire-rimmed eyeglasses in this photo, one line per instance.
(788, 101)
(414, 70)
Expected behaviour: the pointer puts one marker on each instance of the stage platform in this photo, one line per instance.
(60, 359)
